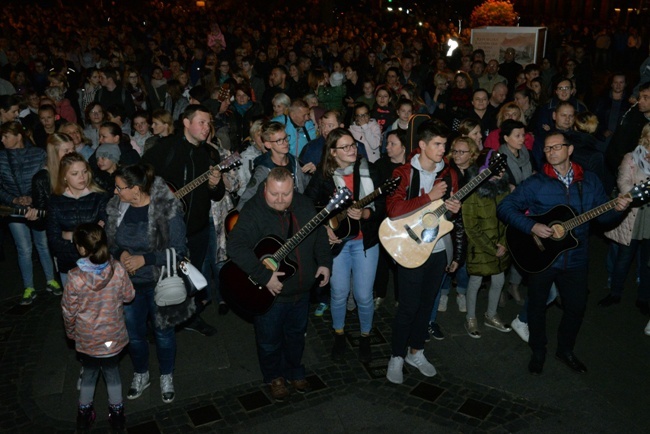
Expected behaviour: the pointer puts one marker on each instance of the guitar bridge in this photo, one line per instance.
(412, 234)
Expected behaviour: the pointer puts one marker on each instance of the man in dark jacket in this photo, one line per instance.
(559, 182)
(280, 333)
(179, 160)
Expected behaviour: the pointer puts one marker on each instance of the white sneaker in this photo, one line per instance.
(647, 329)
(167, 388)
(419, 361)
(378, 302)
(394, 372)
(521, 328)
(442, 307)
(139, 383)
(462, 303)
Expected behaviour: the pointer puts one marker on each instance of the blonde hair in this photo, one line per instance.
(54, 142)
(511, 106)
(644, 140)
(66, 162)
(474, 151)
(586, 122)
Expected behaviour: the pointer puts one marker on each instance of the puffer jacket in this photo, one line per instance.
(484, 230)
(65, 213)
(93, 311)
(17, 167)
(543, 191)
(629, 174)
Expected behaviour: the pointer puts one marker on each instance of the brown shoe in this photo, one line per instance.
(278, 389)
(301, 386)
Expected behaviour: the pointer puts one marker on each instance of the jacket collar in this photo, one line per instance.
(578, 172)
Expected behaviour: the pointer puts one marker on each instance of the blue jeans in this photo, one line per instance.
(280, 336)
(625, 255)
(418, 290)
(136, 314)
(362, 266)
(23, 237)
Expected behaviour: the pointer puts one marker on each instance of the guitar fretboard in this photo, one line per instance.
(466, 190)
(293, 242)
(192, 185)
(591, 214)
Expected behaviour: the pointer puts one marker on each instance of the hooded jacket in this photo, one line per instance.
(93, 309)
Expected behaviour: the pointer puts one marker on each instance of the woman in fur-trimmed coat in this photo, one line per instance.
(145, 219)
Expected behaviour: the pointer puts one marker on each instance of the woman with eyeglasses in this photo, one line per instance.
(367, 131)
(358, 253)
(136, 87)
(94, 119)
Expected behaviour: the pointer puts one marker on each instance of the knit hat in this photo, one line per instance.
(110, 151)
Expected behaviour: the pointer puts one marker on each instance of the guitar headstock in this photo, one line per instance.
(641, 192)
(224, 92)
(498, 163)
(231, 162)
(342, 197)
(390, 185)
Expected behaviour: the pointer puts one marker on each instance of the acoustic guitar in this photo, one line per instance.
(346, 228)
(231, 162)
(410, 239)
(534, 254)
(243, 292)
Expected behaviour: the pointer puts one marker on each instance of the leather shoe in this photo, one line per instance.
(609, 300)
(572, 362)
(535, 366)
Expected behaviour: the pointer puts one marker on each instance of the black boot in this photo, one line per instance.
(116, 418)
(338, 350)
(365, 354)
(85, 418)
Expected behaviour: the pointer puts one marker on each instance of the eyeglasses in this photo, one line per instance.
(458, 152)
(557, 147)
(346, 148)
(564, 88)
(95, 112)
(286, 139)
(119, 189)
(361, 115)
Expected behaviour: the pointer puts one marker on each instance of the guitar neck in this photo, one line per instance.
(303, 233)
(192, 185)
(591, 214)
(466, 190)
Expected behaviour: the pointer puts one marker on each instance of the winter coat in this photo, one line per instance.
(65, 213)
(370, 135)
(629, 173)
(17, 167)
(484, 230)
(93, 311)
(257, 220)
(543, 191)
(625, 137)
(298, 139)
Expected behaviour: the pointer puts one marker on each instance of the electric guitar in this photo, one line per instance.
(243, 292)
(346, 228)
(534, 254)
(231, 162)
(410, 239)
(6, 211)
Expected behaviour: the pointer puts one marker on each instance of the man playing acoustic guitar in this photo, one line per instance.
(560, 182)
(425, 179)
(280, 332)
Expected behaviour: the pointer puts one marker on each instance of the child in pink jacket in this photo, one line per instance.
(93, 315)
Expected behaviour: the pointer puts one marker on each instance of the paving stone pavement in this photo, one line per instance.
(482, 385)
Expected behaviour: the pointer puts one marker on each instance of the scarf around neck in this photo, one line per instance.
(639, 156)
(519, 166)
(366, 186)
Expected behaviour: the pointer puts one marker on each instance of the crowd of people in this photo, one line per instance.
(97, 117)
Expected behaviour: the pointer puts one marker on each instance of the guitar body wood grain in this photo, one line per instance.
(396, 235)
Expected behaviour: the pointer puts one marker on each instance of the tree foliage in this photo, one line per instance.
(493, 13)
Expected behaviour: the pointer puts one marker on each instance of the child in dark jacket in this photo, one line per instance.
(93, 316)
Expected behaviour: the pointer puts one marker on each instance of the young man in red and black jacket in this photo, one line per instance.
(427, 177)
